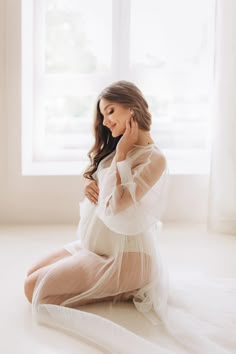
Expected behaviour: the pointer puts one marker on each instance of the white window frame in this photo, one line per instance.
(31, 105)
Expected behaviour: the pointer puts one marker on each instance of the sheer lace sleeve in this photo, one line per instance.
(137, 202)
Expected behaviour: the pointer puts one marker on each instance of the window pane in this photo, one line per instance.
(169, 51)
(68, 122)
(78, 36)
(171, 58)
(175, 36)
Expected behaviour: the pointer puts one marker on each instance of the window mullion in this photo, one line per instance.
(120, 38)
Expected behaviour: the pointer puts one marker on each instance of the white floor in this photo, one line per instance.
(181, 245)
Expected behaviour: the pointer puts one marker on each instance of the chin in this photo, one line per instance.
(115, 133)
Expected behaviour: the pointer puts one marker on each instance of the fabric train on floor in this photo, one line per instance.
(116, 258)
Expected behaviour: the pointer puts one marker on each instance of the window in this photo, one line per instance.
(72, 49)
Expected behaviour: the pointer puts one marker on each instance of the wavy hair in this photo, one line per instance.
(129, 96)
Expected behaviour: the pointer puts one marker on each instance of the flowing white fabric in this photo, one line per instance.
(116, 258)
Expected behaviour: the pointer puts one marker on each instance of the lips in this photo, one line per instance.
(112, 126)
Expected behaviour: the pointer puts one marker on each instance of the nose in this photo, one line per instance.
(105, 121)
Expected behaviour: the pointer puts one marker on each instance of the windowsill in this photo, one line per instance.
(76, 168)
(51, 168)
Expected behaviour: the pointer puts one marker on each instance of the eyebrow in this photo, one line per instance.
(107, 106)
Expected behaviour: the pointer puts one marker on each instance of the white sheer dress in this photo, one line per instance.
(116, 258)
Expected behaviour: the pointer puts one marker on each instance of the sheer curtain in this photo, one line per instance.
(222, 183)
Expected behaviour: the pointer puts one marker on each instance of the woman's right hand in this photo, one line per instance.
(91, 190)
(128, 139)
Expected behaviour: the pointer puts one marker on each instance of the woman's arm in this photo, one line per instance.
(131, 175)
(132, 192)
(132, 185)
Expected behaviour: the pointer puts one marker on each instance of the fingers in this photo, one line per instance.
(94, 187)
(133, 126)
(93, 199)
(131, 131)
(92, 192)
(131, 122)
(128, 125)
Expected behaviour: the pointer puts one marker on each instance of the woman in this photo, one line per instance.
(116, 257)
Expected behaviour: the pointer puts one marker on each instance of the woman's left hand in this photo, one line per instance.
(128, 139)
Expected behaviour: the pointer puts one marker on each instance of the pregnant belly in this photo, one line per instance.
(98, 238)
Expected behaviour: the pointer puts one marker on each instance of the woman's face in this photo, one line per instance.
(115, 116)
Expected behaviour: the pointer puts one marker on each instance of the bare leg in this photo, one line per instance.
(41, 267)
(79, 274)
(49, 259)
(31, 280)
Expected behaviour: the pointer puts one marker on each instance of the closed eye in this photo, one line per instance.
(111, 111)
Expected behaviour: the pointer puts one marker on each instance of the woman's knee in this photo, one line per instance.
(48, 259)
(29, 287)
(31, 280)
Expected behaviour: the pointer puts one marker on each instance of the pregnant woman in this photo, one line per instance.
(116, 257)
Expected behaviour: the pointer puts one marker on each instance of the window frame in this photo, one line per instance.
(32, 104)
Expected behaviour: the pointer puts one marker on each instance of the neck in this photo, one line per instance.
(144, 138)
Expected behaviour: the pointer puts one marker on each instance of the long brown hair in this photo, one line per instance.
(129, 96)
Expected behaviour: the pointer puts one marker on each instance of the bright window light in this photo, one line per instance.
(72, 49)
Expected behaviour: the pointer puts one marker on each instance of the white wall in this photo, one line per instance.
(25, 199)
